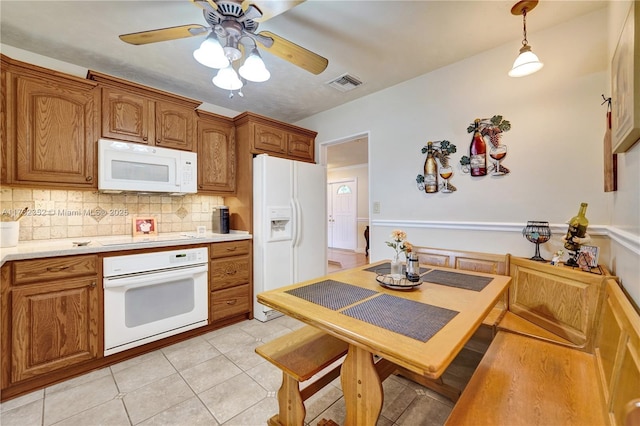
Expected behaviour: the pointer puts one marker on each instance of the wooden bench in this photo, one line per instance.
(526, 380)
(489, 263)
(304, 354)
(300, 355)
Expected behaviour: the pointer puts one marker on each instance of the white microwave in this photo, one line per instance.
(132, 167)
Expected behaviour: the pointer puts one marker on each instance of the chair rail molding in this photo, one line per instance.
(624, 238)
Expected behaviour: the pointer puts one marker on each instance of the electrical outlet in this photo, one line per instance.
(376, 207)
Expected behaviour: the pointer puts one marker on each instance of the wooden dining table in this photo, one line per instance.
(420, 328)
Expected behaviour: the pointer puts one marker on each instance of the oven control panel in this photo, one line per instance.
(156, 261)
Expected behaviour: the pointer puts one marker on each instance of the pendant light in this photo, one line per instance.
(527, 62)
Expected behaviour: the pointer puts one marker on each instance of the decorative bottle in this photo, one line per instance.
(430, 171)
(478, 152)
(577, 229)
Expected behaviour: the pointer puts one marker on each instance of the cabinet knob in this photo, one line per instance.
(231, 271)
(144, 138)
(231, 302)
(89, 178)
(234, 248)
(92, 285)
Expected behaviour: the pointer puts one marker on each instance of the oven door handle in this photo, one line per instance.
(152, 278)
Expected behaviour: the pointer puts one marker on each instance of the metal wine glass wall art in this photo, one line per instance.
(428, 182)
(476, 162)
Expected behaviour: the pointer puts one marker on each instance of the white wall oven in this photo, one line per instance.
(151, 296)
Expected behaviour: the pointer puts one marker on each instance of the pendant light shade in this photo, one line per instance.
(253, 68)
(227, 79)
(527, 62)
(211, 54)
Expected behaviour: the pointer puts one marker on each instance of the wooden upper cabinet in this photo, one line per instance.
(265, 135)
(174, 126)
(52, 128)
(141, 114)
(126, 116)
(269, 138)
(216, 153)
(300, 146)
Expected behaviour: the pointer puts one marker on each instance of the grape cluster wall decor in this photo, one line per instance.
(428, 182)
(482, 129)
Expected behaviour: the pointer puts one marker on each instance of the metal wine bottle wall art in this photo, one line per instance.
(476, 162)
(429, 182)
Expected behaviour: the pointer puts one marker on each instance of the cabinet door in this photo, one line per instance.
(216, 157)
(127, 116)
(174, 126)
(55, 325)
(56, 132)
(229, 272)
(300, 146)
(269, 139)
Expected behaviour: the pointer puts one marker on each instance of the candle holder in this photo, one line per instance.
(537, 232)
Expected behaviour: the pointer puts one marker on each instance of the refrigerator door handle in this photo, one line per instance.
(297, 214)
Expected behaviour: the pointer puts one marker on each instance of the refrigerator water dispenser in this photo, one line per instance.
(279, 223)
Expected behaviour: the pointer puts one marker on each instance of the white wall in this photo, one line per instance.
(555, 148)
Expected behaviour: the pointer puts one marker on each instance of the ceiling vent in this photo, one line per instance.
(345, 82)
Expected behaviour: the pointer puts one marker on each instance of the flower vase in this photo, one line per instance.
(396, 266)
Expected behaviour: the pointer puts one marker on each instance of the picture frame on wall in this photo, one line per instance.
(144, 226)
(625, 84)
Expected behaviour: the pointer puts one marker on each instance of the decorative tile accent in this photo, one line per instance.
(98, 214)
(182, 213)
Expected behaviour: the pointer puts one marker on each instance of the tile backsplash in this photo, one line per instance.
(57, 214)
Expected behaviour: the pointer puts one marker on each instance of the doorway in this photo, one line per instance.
(342, 196)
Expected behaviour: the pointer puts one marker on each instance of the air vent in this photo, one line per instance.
(345, 82)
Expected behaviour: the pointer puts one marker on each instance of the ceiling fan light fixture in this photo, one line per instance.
(527, 62)
(232, 53)
(254, 69)
(227, 79)
(210, 53)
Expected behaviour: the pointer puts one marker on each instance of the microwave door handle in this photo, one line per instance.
(152, 278)
(177, 174)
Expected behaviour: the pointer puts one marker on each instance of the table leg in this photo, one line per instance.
(291, 407)
(361, 387)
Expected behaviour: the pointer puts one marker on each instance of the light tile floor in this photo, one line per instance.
(213, 379)
(217, 379)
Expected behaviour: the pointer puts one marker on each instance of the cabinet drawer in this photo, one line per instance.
(229, 302)
(230, 248)
(29, 271)
(229, 272)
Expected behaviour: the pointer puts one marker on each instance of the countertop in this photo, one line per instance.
(103, 244)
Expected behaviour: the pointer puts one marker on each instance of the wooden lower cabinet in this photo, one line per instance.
(230, 280)
(54, 325)
(229, 302)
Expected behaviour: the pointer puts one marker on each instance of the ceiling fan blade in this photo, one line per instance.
(270, 8)
(164, 34)
(203, 4)
(295, 54)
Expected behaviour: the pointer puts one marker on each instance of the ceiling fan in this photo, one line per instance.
(232, 27)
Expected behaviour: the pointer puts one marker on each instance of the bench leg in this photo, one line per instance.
(361, 387)
(291, 408)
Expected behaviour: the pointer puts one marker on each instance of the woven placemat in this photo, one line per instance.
(455, 279)
(387, 267)
(331, 294)
(412, 319)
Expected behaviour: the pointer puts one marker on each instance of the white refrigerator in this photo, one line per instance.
(289, 225)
